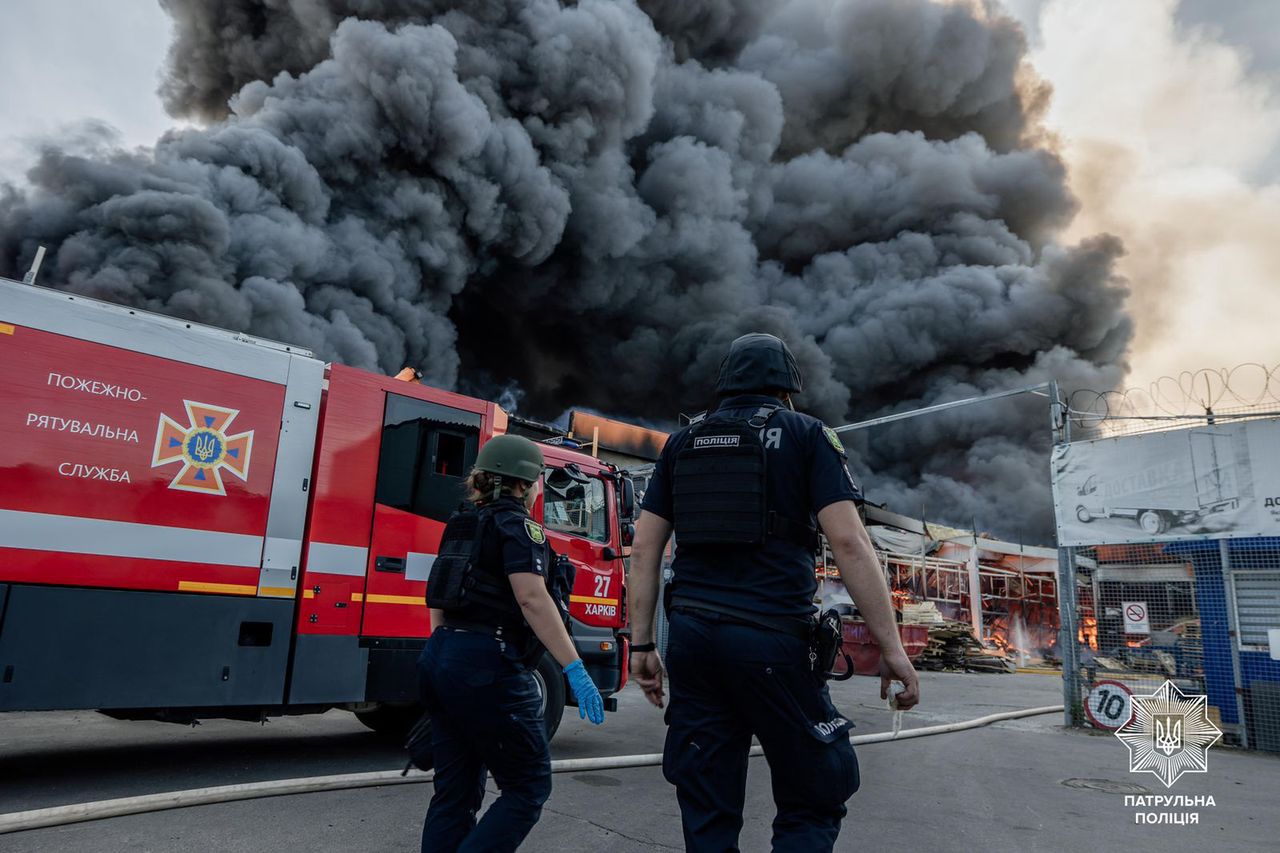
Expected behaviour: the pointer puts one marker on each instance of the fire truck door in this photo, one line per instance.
(427, 450)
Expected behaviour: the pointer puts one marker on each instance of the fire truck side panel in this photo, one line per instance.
(97, 474)
(71, 648)
(403, 549)
(329, 663)
(139, 452)
(389, 472)
(291, 486)
(337, 547)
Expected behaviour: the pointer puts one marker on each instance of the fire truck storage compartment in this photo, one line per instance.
(393, 665)
(72, 647)
(329, 668)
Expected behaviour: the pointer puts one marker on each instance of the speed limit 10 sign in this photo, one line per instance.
(1110, 705)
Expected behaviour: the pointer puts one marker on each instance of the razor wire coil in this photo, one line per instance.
(1249, 390)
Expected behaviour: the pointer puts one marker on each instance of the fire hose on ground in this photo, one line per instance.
(102, 809)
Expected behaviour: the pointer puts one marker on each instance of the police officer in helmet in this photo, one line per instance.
(492, 614)
(745, 490)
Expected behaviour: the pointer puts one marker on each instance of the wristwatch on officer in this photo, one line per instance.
(644, 647)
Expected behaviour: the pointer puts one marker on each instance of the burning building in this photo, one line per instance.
(997, 600)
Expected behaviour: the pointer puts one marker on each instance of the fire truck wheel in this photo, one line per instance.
(1152, 522)
(551, 685)
(393, 721)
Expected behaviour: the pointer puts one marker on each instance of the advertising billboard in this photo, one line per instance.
(1220, 481)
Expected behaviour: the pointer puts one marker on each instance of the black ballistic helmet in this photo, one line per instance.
(758, 362)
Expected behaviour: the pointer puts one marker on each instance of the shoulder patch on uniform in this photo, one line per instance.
(833, 439)
(535, 531)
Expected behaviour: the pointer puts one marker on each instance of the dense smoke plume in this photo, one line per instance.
(585, 203)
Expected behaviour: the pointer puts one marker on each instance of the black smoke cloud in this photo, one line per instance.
(583, 204)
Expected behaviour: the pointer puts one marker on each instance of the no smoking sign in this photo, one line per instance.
(1135, 617)
(1110, 705)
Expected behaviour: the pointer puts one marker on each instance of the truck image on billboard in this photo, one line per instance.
(1167, 485)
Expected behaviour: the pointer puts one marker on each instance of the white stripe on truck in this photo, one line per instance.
(38, 531)
(337, 559)
(417, 567)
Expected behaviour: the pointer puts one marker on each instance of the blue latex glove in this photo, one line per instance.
(590, 705)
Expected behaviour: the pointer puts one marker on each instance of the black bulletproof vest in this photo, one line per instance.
(460, 580)
(718, 488)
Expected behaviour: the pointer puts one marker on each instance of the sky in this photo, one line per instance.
(66, 61)
(1167, 113)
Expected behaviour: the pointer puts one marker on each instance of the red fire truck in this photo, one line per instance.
(196, 523)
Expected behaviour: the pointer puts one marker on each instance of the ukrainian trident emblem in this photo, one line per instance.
(1169, 734)
(203, 447)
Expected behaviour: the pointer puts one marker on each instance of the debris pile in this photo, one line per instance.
(952, 647)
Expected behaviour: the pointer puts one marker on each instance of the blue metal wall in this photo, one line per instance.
(1211, 599)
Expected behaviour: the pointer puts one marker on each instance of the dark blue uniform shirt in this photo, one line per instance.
(806, 471)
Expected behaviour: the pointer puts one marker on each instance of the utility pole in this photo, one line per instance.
(1068, 598)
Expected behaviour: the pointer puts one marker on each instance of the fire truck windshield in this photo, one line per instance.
(579, 509)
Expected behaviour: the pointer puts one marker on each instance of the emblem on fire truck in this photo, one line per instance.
(203, 447)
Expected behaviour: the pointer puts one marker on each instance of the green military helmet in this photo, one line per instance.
(511, 456)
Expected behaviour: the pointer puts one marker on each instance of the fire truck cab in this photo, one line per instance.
(197, 523)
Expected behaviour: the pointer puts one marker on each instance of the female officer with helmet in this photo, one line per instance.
(491, 616)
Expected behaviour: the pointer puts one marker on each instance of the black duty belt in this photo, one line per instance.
(488, 628)
(794, 626)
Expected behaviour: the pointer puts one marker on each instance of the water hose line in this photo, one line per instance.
(79, 812)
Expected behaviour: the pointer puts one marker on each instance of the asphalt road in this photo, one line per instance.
(998, 788)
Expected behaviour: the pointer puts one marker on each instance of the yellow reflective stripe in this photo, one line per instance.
(392, 599)
(590, 599)
(357, 596)
(276, 591)
(308, 593)
(6, 329)
(228, 588)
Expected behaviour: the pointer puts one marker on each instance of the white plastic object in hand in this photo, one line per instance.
(895, 688)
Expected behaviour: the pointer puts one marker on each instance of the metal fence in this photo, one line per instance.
(1202, 612)
(1171, 402)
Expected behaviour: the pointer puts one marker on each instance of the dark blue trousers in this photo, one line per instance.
(731, 681)
(485, 715)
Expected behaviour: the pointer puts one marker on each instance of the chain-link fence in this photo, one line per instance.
(1172, 582)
